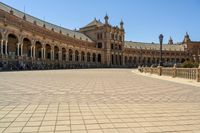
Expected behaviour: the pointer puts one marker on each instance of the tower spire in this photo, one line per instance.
(170, 41)
(121, 24)
(186, 38)
(24, 17)
(106, 19)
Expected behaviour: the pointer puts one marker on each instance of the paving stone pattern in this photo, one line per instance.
(96, 101)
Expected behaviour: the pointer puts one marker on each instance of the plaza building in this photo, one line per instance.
(27, 42)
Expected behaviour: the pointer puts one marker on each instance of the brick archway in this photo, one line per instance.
(82, 56)
(70, 55)
(48, 51)
(76, 55)
(93, 57)
(26, 47)
(99, 58)
(38, 50)
(88, 57)
(56, 52)
(64, 54)
(12, 44)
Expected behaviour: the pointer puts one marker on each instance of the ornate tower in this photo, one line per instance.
(170, 41)
(122, 25)
(186, 38)
(106, 19)
(108, 38)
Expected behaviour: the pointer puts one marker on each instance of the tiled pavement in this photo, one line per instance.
(96, 101)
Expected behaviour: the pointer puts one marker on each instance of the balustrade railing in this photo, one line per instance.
(167, 71)
(186, 73)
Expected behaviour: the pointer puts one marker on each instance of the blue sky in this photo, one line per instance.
(144, 19)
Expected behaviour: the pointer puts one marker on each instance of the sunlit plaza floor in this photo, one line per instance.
(96, 100)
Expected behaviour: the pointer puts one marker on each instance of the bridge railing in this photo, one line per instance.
(186, 73)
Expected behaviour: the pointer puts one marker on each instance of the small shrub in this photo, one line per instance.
(189, 64)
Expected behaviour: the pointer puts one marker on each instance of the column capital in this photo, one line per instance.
(52, 47)
(43, 44)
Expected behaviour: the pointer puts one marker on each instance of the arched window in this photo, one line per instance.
(82, 56)
(70, 55)
(99, 45)
(63, 54)
(126, 60)
(120, 47)
(144, 60)
(56, 51)
(112, 59)
(112, 46)
(120, 59)
(88, 57)
(130, 60)
(27, 47)
(135, 59)
(182, 60)
(38, 50)
(99, 58)
(116, 47)
(12, 44)
(94, 57)
(76, 55)
(149, 60)
(48, 51)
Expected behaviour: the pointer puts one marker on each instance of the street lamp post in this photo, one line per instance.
(161, 42)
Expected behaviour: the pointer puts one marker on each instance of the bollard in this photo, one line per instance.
(159, 70)
(174, 71)
(151, 69)
(142, 68)
(139, 68)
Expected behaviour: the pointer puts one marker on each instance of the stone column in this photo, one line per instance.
(96, 58)
(85, 58)
(22, 50)
(91, 59)
(18, 45)
(6, 47)
(114, 59)
(67, 57)
(52, 54)
(79, 56)
(73, 57)
(34, 52)
(1, 47)
(31, 51)
(44, 53)
(60, 55)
